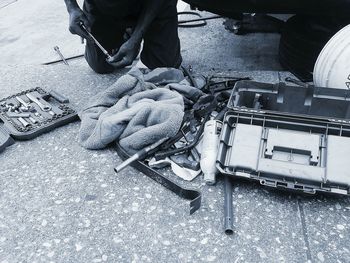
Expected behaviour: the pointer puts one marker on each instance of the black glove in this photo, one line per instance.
(76, 17)
(126, 54)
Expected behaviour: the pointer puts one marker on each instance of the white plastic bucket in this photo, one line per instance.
(332, 68)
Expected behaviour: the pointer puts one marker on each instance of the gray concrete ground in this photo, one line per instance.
(62, 203)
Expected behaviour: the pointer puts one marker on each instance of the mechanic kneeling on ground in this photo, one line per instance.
(121, 25)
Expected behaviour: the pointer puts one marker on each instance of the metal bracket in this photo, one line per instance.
(190, 194)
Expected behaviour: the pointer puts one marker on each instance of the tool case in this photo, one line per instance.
(288, 137)
(30, 113)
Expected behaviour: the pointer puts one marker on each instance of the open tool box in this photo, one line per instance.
(30, 113)
(290, 137)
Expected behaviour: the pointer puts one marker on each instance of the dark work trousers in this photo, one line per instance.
(161, 47)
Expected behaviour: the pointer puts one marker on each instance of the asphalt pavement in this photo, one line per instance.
(62, 203)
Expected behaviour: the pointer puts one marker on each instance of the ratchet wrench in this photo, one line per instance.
(42, 106)
(96, 42)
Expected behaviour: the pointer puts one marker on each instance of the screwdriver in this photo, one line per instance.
(96, 42)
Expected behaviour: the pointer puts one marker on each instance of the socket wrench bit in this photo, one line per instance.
(24, 122)
(34, 121)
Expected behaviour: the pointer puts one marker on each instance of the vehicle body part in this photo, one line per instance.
(230, 8)
(254, 23)
(140, 155)
(189, 194)
(57, 49)
(332, 66)
(302, 40)
(228, 206)
(104, 51)
(209, 150)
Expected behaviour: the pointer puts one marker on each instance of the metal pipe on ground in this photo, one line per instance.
(228, 206)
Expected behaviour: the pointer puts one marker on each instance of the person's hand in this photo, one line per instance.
(76, 17)
(125, 55)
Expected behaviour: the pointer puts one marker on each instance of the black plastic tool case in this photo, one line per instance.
(290, 137)
(62, 114)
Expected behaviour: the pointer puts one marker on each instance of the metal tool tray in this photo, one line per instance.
(288, 137)
(63, 114)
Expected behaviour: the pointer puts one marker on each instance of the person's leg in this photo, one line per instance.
(161, 46)
(108, 32)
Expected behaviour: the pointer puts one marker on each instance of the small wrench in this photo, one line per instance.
(57, 49)
(37, 101)
(42, 106)
(25, 104)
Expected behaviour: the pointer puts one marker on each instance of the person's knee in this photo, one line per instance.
(161, 58)
(101, 68)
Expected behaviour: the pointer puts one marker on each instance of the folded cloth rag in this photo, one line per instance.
(134, 111)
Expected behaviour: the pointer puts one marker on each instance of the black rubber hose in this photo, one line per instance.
(189, 22)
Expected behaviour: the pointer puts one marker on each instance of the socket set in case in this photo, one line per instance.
(32, 112)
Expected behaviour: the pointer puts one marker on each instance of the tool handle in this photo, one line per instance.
(59, 97)
(44, 107)
(139, 155)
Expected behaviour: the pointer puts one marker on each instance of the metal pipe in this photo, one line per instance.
(228, 207)
(139, 155)
(104, 51)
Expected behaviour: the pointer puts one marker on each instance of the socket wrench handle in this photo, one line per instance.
(98, 44)
(37, 101)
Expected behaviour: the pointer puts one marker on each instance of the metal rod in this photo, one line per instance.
(228, 207)
(96, 42)
(139, 155)
(57, 49)
(60, 60)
